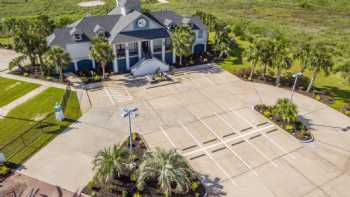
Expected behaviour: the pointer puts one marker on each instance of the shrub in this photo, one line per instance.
(125, 194)
(26, 74)
(347, 113)
(285, 111)
(289, 128)
(267, 114)
(4, 171)
(195, 186)
(318, 97)
(137, 194)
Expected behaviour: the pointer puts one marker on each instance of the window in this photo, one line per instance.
(167, 44)
(120, 50)
(133, 49)
(77, 37)
(200, 34)
(157, 46)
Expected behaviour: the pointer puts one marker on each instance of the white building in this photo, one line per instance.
(134, 36)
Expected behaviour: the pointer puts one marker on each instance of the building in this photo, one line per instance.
(141, 41)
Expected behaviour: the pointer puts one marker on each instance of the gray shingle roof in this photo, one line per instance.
(171, 18)
(141, 35)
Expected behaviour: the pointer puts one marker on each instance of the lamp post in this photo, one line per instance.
(295, 76)
(128, 112)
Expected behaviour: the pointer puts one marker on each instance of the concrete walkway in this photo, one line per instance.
(319, 169)
(7, 108)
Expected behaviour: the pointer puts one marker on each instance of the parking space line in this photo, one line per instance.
(167, 136)
(207, 78)
(246, 140)
(190, 78)
(208, 154)
(228, 140)
(228, 146)
(109, 95)
(267, 137)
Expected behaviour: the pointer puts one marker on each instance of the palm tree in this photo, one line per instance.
(321, 60)
(222, 41)
(303, 53)
(280, 58)
(266, 50)
(252, 55)
(285, 110)
(182, 38)
(168, 168)
(58, 58)
(17, 62)
(102, 52)
(110, 162)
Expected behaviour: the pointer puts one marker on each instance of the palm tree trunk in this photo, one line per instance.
(61, 74)
(278, 77)
(264, 72)
(103, 65)
(313, 78)
(252, 71)
(181, 60)
(41, 62)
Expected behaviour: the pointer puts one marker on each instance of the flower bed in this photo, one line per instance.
(284, 114)
(136, 177)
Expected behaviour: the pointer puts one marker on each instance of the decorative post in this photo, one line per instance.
(115, 60)
(75, 65)
(139, 49)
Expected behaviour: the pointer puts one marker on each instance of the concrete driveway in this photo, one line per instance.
(207, 116)
(5, 57)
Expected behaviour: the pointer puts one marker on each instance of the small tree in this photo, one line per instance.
(58, 59)
(168, 168)
(321, 60)
(252, 55)
(110, 163)
(280, 57)
(102, 52)
(285, 110)
(303, 53)
(182, 38)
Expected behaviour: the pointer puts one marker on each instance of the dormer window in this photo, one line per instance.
(76, 34)
(77, 37)
(99, 31)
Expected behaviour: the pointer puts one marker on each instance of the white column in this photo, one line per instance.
(152, 48)
(139, 49)
(163, 49)
(127, 56)
(174, 56)
(205, 47)
(75, 65)
(93, 63)
(115, 60)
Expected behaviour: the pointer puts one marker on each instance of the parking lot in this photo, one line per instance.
(206, 114)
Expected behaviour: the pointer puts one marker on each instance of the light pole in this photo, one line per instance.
(295, 76)
(128, 112)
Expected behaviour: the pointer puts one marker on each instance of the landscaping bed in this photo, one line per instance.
(132, 178)
(284, 114)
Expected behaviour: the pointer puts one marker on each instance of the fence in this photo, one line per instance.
(25, 140)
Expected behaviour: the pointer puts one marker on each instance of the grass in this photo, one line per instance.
(13, 89)
(27, 116)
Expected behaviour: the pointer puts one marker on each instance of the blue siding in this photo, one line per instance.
(69, 68)
(122, 66)
(169, 58)
(159, 56)
(199, 49)
(85, 64)
(109, 67)
(133, 61)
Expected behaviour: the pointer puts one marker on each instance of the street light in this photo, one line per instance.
(295, 76)
(128, 112)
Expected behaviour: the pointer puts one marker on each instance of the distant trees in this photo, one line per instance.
(29, 37)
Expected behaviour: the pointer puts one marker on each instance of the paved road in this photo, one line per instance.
(193, 108)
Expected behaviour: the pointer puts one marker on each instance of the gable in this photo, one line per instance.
(137, 24)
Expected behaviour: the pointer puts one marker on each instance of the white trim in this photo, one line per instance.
(127, 56)
(174, 56)
(76, 68)
(152, 48)
(93, 63)
(115, 60)
(163, 49)
(139, 49)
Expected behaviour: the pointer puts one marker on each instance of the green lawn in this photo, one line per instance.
(27, 115)
(13, 89)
